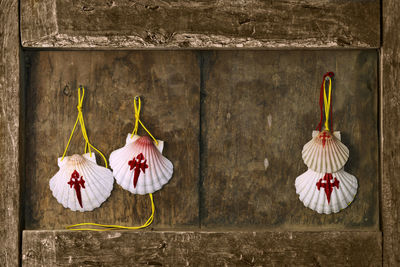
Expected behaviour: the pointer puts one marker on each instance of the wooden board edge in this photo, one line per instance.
(11, 98)
(41, 28)
(182, 41)
(53, 247)
(389, 128)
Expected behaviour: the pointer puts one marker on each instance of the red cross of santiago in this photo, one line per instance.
(324, 136)
(327, 185)
(77, 183)
(139, 164)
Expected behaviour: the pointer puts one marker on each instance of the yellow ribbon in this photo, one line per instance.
(327, 102)
(88, 145)
(83, 128)
(114, 227)
(137, 119)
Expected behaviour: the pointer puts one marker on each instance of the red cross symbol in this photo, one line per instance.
(324, 136)
(327, 185)
(139, 164)
(77, 184)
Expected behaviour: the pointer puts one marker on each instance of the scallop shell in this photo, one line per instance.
(81, 184)
(325, 153)
(139, 166)
(326, 192)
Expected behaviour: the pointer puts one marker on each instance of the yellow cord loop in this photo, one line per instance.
(83, 128)
(137, 119)
(327, 102)
(106, 227)
(115, 227)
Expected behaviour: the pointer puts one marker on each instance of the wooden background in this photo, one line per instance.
(143, 24)
(224, 112)
(168, 83)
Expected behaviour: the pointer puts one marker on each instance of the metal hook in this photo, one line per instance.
(136, 97)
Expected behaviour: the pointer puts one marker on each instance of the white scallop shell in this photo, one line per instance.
(325, 156)
(315, 198)
(153, 177)
(98, 183)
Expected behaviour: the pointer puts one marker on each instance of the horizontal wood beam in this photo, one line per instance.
(200, 24)
(62, 248)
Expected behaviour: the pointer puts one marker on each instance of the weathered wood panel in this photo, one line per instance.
(60, 248)
(10, 127)
(200, 24)
(390, 157)
(263, 105)
(168, 83)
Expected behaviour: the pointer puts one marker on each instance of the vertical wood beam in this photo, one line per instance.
(390, 139)
(9, 133)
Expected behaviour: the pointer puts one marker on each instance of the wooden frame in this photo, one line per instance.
(47, 27)
(208, 24)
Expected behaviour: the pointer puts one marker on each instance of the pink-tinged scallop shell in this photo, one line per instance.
(139, 166)
(326, 192)
(325, 153)
(81, 184)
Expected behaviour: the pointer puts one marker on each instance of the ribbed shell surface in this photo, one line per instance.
(316, 199)
(158, 172)
(325, 156)
(98, 183)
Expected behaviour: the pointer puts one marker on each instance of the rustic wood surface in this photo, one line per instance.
(390, 157)
(61, 248)
(200, 24)
(252, 110)
(168, 83)
(10, 128)
(263, 106)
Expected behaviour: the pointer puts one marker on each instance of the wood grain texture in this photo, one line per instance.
(263, 105)
(390, 157)
(168, 83)
(10, 99)
(200, 24)
(60, 248)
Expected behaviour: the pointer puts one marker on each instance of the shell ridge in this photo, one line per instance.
(308, 195)
(125, 174)
(153, 185)
(66, 194)
(349, 185)
(57, 192)
(164, 169)
(317, 167)
(121, 166)
(157, 172)
(309, 151)
(157, 182)
(54, 182)
(335, 161)
(94, 183)
(339, 157)
(82, 169)
(319, 194)
(142, 179)
(103, 176)
(336, 158)
(88, 192)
